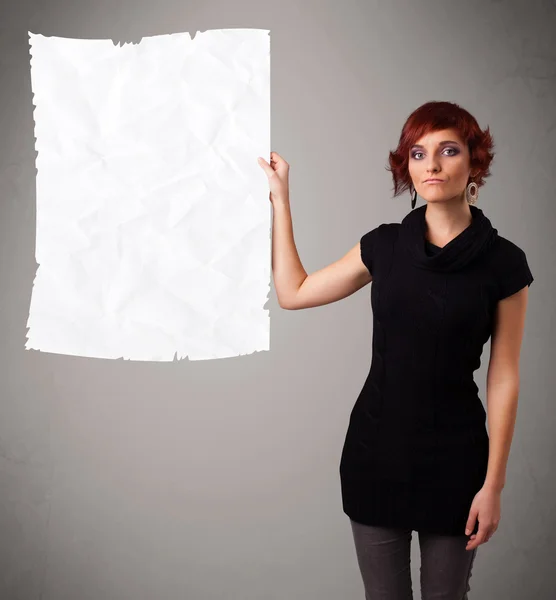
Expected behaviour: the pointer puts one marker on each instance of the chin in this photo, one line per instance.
(435, 200)
(444, 200)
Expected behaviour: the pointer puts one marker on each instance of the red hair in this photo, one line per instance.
(434, 116)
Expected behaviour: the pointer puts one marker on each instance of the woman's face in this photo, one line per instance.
(442, 155)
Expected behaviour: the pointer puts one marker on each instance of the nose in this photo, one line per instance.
(432, 166)
(432, 163)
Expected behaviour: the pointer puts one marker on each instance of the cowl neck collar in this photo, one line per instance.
(473, 241)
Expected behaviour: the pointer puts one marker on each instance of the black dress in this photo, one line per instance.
(416, 448)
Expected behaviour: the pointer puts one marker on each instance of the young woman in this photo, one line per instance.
(417, 455)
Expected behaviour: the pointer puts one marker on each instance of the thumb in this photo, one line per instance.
(266, 167)
(470, 525)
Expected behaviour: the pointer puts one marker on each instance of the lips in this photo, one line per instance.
(434, 181)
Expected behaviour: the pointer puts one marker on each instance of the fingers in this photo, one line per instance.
(481, 536)
(491, 531)
(276, 161)
(484, 534)
(472, 519)
(274, 156)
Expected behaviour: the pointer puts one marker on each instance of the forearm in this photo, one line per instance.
(288, 272)
(501, 416)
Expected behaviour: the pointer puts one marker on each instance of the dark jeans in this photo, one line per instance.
(383, 555)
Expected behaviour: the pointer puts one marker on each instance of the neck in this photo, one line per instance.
(445, 220)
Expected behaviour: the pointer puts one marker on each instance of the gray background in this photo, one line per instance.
(218, 480)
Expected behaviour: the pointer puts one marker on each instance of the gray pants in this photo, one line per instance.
(383, 555)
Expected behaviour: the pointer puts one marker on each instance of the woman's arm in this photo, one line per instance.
(294, 288)
(503, 383)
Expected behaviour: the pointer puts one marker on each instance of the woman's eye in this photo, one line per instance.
(414, 155)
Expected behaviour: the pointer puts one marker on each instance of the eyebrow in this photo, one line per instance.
(439, 143)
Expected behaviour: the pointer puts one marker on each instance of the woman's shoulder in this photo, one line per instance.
(383, 230)
(505, 250)
(377, 242)
(508, 264)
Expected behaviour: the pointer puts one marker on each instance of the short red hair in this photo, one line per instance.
(435, 116)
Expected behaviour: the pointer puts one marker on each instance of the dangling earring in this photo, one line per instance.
(472, 193)
(413, 200)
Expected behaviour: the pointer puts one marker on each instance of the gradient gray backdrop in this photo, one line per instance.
(218, 480)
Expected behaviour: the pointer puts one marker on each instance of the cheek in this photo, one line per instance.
(457, 169)
(414, 171)
(458, 180)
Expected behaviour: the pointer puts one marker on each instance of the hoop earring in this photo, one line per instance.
(472, 193)
(413, 200)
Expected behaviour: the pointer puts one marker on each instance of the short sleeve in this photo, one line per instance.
(513, 272)
(368, 247)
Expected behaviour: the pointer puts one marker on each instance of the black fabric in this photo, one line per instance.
(431, 249)
(416, 448)
(475, 239)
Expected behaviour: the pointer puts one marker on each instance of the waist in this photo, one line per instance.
(396, 406)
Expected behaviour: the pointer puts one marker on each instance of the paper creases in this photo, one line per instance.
(153, 219)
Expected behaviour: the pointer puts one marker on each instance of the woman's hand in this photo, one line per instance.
(486, 508)
(277, 172)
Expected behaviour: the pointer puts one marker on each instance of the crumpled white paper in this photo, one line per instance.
(153, 217)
